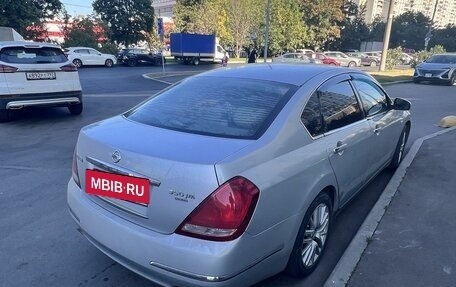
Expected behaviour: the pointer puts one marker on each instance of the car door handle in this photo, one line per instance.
(377, 130)
(339, 149)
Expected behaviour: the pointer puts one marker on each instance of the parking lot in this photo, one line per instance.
(39, 243)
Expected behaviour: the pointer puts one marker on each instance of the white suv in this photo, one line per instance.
(37, 74)
(83, 56)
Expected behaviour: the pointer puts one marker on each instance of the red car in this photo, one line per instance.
(327, 60)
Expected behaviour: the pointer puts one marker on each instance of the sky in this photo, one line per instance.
(78, 7)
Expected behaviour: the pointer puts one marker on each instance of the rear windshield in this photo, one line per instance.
(22, 55)
(224, 107)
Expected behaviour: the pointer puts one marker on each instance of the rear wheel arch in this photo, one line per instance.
(332, 192)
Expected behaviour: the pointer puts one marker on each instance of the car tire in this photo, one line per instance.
(132, 62)
(400, 147)
(77, 63)
(373, 64)
(452, 79)
(351, 64)
(416, 81)
(4, 116)
(309, 248)
(109, 63)
(332, 64)
(75, 109)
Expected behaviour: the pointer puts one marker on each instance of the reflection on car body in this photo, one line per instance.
(266, 154)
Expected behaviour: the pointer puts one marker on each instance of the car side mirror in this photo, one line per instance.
(99, 54)
(401, 104)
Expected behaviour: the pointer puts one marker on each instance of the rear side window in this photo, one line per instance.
(22, 55)
(224, 107)
(311, 116)
(339, 106)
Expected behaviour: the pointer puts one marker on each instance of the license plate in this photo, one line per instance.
(134, 189)
(40, 76)
(428, 75)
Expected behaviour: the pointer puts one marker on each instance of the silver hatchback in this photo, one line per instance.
(233, 175)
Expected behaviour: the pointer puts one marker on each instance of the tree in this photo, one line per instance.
(27, 16)
(185, 14)
(377, 30)
(287, 29)
(323, 19)
(353, 29)
(445, 37)
(81, 33)
(409, 30)
(129, 21)
(242, 22)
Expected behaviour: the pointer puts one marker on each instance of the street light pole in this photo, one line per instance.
(429, 33)
(386, 38)
(266, 32)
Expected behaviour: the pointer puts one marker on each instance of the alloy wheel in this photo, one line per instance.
(315, 235)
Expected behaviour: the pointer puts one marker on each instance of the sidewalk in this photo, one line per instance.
(414, 243)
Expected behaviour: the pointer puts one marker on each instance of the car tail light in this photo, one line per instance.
(7, 69)
(69, 68)
(74, 170)
(225, 214)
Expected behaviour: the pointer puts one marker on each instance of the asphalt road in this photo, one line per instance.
(39, 244)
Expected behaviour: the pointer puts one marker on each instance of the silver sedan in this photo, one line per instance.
(233, 175)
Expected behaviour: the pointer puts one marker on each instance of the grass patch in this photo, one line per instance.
(393, 76)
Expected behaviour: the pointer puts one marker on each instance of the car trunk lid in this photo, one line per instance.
(179, 167)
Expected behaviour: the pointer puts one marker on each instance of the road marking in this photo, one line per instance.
(145, 76)
(158, 76)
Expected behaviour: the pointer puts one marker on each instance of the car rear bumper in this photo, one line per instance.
(18, 101)
(176, 260)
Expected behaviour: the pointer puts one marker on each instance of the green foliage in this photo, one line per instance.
(322, 18)
(423, 55)
(242, 19)
(287, 29)
(82, 33)
(109, 48)
(393, 58)
(129, 21)
(353, 29)
(409, 30)
(445, 37)
(377, 30)
(188, 18)
(27, 16)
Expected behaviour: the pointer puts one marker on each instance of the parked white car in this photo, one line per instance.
(345, 60)
(84, 56)
(295, 58)
(37, 74)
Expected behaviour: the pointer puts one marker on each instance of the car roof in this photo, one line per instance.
(74, 48)
(4, 44)
(294, 74)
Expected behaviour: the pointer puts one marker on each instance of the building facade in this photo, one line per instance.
(164, 8)
(445, 11)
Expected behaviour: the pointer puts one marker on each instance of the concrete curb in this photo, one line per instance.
(396, 82)
(349, 260)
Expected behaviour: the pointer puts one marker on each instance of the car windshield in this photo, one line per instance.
(223, 107)
(22, 55)
(442, 59)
